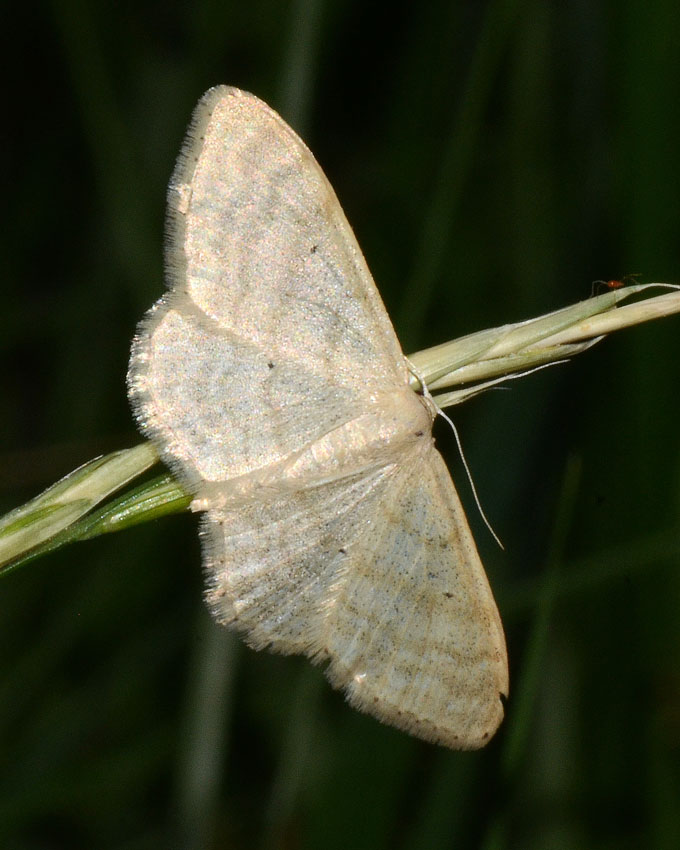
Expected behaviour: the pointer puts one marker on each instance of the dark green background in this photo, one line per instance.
(494, 158)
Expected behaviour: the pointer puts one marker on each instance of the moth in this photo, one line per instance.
(272, 382)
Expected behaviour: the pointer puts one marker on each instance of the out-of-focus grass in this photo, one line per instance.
(554, 129)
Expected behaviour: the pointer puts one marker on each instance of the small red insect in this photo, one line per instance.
(616, 284)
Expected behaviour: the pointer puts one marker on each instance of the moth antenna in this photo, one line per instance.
(428, 395)
(469, 476)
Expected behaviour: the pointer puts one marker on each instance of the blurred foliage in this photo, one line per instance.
(494, 158)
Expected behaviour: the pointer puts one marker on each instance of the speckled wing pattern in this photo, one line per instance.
(271, 380)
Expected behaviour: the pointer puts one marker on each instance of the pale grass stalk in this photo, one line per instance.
(72, 508)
